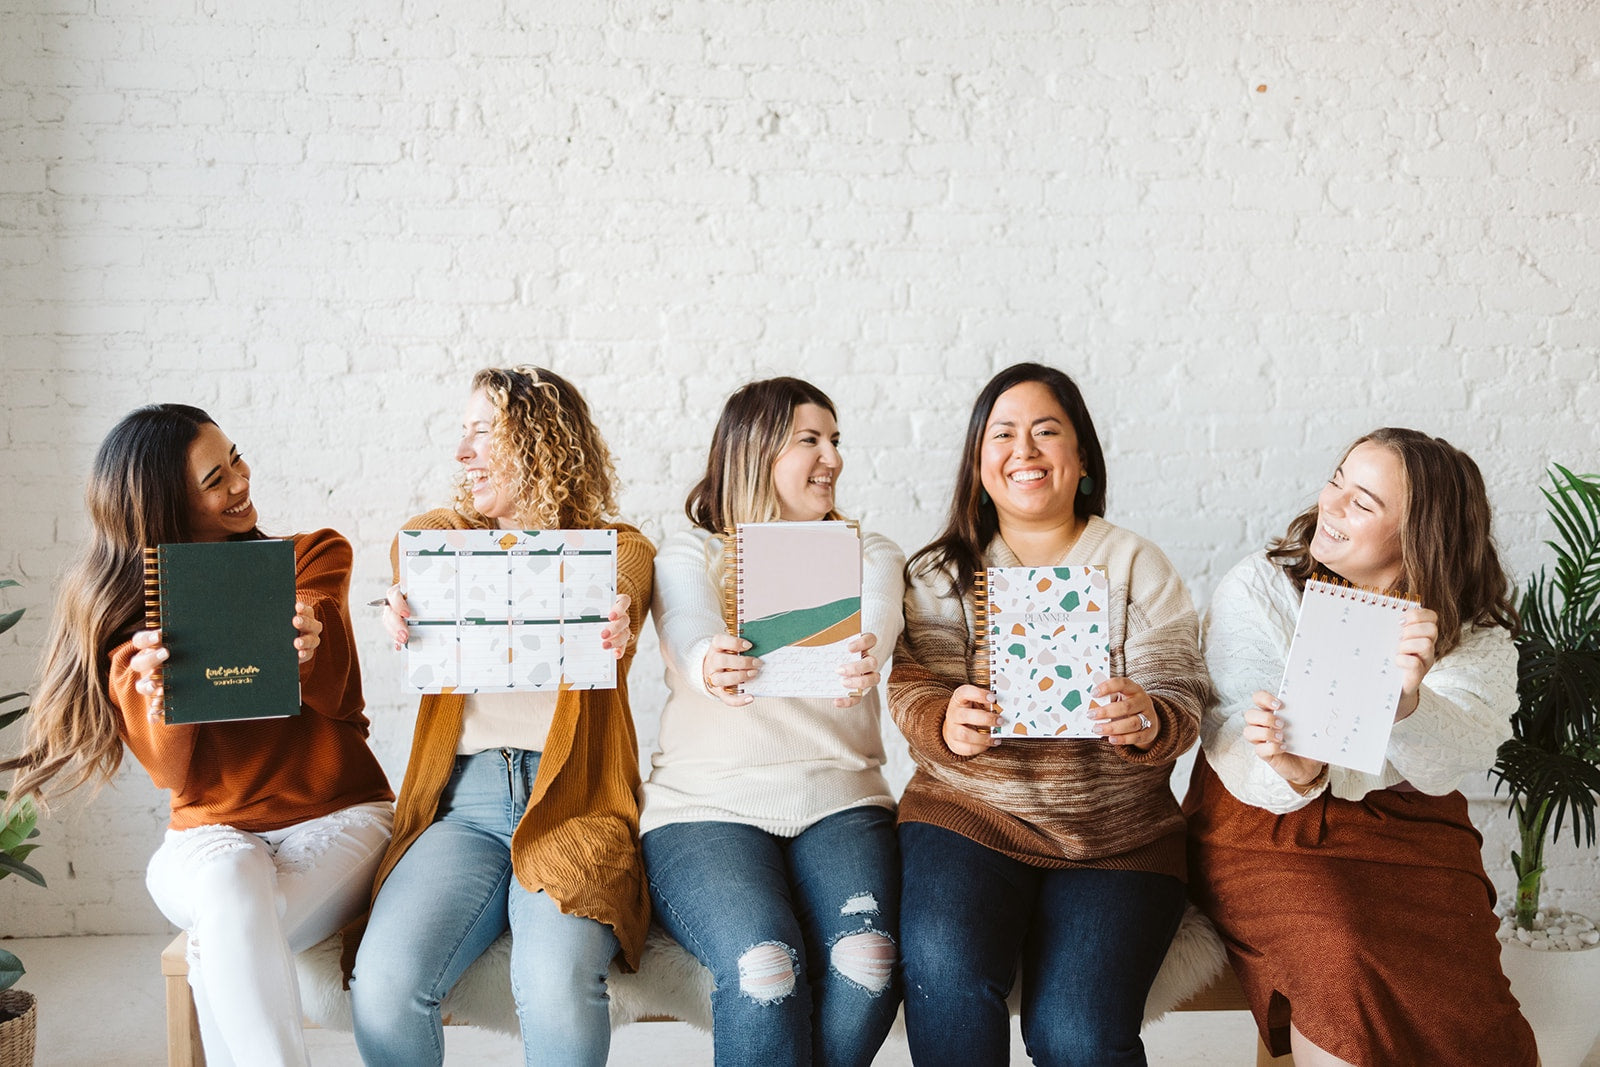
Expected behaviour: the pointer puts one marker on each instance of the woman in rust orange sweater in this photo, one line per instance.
(277, 824)
(518, 809)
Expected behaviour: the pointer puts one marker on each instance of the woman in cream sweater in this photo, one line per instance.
(768, 827)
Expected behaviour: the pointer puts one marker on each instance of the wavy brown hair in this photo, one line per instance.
(547, 452)
(138, 495)
(753, 429)
(1448, 557)
(973, 521)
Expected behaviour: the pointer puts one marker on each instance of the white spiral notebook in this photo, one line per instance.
(1341, 686)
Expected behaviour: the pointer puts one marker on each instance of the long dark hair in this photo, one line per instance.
(973, 521)
(754, 427)
(1448, 558)
(137, 496)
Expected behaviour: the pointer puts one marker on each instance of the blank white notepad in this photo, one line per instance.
(1341, 686)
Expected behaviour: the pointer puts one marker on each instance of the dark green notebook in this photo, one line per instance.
(225, 610)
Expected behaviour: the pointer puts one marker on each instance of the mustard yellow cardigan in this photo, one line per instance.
(579, 838)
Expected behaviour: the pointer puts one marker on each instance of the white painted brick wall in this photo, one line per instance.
(1252, 231)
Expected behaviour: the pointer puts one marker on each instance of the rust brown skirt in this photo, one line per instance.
(1371, 919)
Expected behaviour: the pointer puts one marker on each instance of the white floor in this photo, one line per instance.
(101, 1003)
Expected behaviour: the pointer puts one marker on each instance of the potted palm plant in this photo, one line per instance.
(1551, 771)
(17, 1009)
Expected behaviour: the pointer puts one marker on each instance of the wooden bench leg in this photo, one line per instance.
(1265, 1058)
(183, 1025)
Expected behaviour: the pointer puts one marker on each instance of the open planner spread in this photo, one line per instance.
(502, 610)
(1043, 638)
(1341, 686)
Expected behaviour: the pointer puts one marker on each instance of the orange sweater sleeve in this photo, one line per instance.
(322, 582)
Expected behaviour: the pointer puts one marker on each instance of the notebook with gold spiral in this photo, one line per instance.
(225, 612)
(1341, 686)
(1043, 645)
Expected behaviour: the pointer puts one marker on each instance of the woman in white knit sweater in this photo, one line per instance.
(768, 827)
(1355, 906)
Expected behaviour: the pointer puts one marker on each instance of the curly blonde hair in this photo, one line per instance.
(548, 453)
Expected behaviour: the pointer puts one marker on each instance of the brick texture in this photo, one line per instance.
(1251, 231)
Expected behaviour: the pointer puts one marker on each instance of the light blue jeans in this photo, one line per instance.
(450, 896)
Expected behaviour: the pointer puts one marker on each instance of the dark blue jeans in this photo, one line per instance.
(1089, 942)
(799, 932)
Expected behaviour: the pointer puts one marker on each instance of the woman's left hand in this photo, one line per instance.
(858, 675)
(619, 628)
(305, 620)
(1418, 649)
(1130, 717)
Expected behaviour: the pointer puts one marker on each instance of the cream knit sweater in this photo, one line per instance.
(780, 764)
(1463, 709)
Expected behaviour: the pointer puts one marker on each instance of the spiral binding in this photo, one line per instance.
(732, 590)
(1361, 594)
(152, 602)
(982, 649)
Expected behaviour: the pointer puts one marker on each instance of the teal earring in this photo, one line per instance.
(983, 497)
(1085, 485)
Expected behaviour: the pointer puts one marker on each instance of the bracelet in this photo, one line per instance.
(1312, 786)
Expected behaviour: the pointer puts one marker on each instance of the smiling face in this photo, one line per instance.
(490, 495)
(1030, 463)
(805, 471)
(1358, 518)
(219, 488)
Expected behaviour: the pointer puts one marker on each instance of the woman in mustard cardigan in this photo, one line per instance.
(518, 810)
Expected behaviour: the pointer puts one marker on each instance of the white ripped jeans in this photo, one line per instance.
(249, 903)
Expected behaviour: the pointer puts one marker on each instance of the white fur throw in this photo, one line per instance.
(671, 982)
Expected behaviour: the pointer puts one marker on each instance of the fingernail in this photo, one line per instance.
(1278, 736)
(1277, 724)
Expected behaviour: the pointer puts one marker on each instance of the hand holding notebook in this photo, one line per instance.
(1043, 648)
(797, 595)
(1341, 686)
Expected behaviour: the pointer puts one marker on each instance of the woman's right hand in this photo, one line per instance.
(967, 720)
(145, 663)
(1264, 730)
(395, 614)
(723, 670)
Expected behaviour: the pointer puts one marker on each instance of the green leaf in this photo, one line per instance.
(11, 969)
(9, 619)
(9, 583)
(22, 870)
(9, 717)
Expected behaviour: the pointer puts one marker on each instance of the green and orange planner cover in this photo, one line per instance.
(798, 590)
(225, 610)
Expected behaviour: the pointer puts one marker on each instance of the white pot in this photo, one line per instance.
(1560, 997)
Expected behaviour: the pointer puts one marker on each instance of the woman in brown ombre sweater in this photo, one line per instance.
(1061, 858)
(277, 824)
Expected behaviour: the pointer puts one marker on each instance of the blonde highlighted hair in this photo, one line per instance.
(548, 455)
(754, 428)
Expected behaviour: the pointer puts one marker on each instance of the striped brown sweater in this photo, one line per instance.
(1058, 803)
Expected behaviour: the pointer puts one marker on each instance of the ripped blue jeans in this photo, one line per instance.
(800, 933)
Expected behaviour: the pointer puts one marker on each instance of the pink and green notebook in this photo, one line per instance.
(798, 590)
